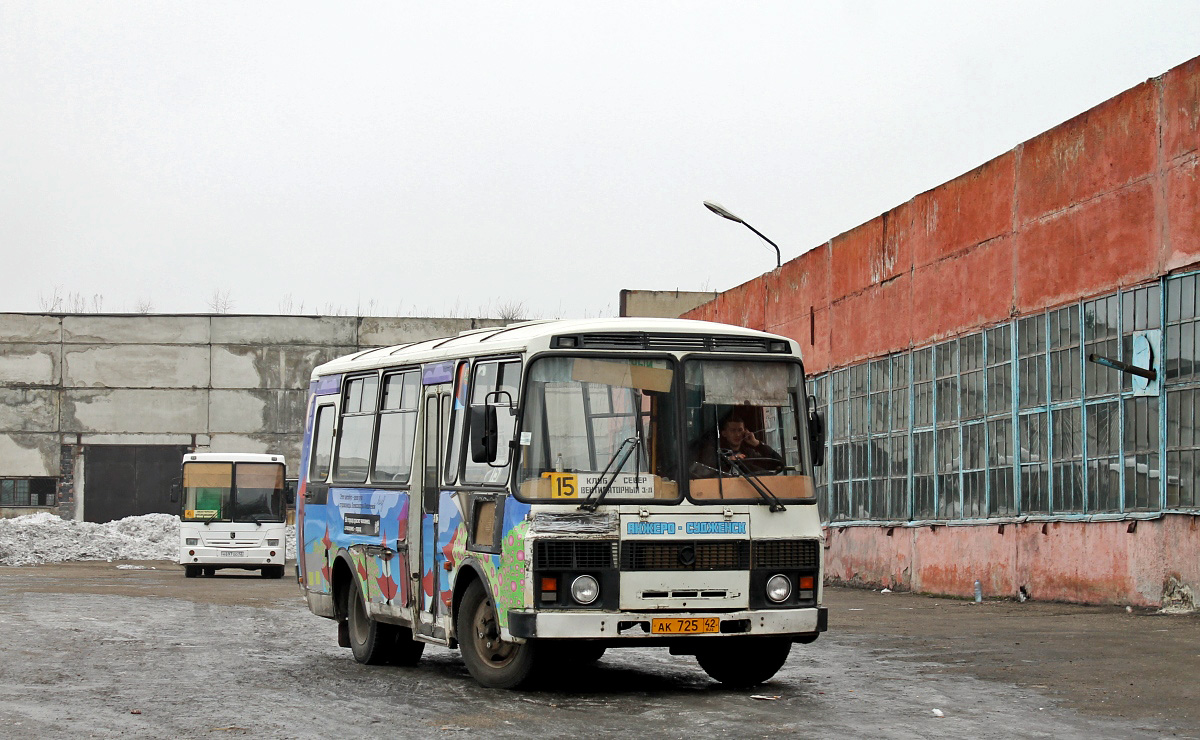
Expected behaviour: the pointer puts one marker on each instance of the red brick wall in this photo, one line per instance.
(1107, 199)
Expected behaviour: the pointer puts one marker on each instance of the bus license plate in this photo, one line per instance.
(685, 626)
(232, 553)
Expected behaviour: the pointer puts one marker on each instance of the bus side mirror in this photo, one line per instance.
(175, 492)
(483, 433)
(816, 432)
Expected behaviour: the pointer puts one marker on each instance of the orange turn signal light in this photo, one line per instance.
(549, 583)
(807, 582)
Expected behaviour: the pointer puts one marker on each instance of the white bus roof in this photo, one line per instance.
(252, 457)
(535, 335)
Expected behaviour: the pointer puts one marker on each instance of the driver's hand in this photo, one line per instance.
(751, 439)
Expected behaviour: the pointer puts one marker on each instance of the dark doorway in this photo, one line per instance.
(127, 480)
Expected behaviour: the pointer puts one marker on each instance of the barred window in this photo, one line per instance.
(28, 491)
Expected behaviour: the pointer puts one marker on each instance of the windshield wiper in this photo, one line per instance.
(627, 446)
(755, 482)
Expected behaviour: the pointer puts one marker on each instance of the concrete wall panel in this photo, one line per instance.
(257, 411)
(946, 562)
(377, 331)
(287, 445)
(959, 293)
(21, 328)
(1086, 562)
(131, 411)
(1089, 249)
(84, 329)
(276, 366)
(853, 257)
(29, 455)
(1183, 215)
(335, 330)
(858, 556)
(1094, 153)
(175, 440)
(28, 410)
(968, 210)
(1181, 110)
(800, 285)
(29, 364)
(135, 366)
(875, 321)
(648, 303)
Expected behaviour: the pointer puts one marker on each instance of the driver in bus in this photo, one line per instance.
(737, 443)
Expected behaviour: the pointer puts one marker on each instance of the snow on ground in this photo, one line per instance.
(45, 538)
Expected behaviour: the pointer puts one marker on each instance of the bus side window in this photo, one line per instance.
(356, 432)
(397, 429)
(455, 432)
(322, 445)
(495, 383)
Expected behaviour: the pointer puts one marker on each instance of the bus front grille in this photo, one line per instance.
(803, 554)
(728, 555)
(573, 555)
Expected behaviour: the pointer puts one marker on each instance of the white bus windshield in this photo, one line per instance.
(239, 492)
(744, 432)
(599, 426)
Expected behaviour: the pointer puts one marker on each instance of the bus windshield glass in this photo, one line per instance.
(599, 428)
(210, 493)
(744, 432)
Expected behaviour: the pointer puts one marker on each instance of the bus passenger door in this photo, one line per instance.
(437, 406)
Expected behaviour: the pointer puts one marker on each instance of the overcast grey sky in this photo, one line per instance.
(437, 158)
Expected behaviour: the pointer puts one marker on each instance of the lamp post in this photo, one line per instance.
(718, 209)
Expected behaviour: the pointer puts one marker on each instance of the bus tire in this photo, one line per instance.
(272, 571)
(191, 571)
(742, 663)
(370, 641)
(209, 571)
(405, 650)
(493, 663)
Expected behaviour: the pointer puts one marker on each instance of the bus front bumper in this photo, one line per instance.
(802, 624)
(248, 557)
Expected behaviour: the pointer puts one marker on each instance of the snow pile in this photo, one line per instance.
(45, 538)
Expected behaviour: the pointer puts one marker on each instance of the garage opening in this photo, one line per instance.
(129, 480)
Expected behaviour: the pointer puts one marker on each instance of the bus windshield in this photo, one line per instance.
(744, 432)
(239, 492)
(597, 428)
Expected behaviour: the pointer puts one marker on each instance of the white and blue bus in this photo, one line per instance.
(542, 492)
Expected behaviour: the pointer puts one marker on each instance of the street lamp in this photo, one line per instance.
(718, 209)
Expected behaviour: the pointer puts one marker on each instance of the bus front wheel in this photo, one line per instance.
(492, 662)
(741, 663)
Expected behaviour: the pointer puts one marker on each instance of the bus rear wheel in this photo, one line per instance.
(370, 641)
(740, 663)
(272, 571)
(191, 571)
(492, 662)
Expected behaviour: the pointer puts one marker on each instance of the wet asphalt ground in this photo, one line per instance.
(90, 650)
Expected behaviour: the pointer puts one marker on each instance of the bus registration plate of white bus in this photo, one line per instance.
(685, 626)
(232, 553)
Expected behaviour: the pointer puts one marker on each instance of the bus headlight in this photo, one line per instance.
(585, 589)
(192, 541)
(779, 588)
